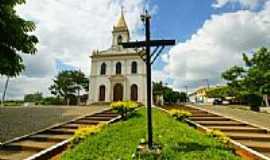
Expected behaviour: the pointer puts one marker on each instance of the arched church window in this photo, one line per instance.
(103, 69)
(134, 92)
(119, 39)
(102, 93)
(118, 68)
(134, 67)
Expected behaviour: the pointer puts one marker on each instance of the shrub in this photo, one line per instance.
(254, 102)
(84, 131)
(180, 114)
(52, 101)
(124, 107)
(217, 134)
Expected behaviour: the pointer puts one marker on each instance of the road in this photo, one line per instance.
(18, 121)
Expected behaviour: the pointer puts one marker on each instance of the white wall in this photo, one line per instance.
(96, 80)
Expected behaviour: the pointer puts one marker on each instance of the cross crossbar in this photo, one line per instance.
(153, 43)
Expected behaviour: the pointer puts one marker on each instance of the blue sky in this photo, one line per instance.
(181, 22)
(211, 36)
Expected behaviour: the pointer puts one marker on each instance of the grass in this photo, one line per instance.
(178, 140)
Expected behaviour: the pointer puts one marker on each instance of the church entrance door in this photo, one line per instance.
(118, 92)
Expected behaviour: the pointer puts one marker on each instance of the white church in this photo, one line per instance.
(117, 74)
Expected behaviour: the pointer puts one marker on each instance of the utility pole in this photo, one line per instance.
(147, 57)
(186, 87)
(186, 93)
(207, 82)
(4, 93)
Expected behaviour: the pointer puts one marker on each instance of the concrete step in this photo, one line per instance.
(31, 145)
(238, 129)
(107, 114)
(267, 154)
(86, 122)
(71, 126)
(209, 119)
(61, 131)
(6, 154)
(257, 145)
(248, 136)
(221, 123)
(194, 111)
(110, 112)
(98, 118)
(204, 115)
(50, 137)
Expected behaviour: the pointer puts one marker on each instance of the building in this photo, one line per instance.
(117, 74)
(199, 96)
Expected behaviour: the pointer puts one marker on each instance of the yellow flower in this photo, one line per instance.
(180, 114)
(218, 135)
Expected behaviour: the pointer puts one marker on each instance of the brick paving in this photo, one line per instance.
(18, 121)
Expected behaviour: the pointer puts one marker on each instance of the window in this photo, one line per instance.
(134, 92)
(134, 67)
(103, 69)
(102, 93)
(119, 39)
(118, 68)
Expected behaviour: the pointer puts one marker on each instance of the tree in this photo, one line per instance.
(183, 97)
(80, 83)
(170, 96)
(220, 92)
(14, 39)
(253, 80)
(67, 83)
(35, 97)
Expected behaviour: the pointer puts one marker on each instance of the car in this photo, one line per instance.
(217, 101)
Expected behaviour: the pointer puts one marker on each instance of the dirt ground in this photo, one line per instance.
(242, 113)
(18, 121)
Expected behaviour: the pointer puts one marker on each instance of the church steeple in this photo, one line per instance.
(121, 22)
(120, 30)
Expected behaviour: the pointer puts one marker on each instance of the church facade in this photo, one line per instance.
(117, 74)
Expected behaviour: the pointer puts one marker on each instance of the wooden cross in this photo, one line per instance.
(149, 60)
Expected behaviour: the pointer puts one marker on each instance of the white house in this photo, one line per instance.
(117, 73)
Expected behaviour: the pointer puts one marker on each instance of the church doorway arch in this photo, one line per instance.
(118, 92)
(102, 93)
(134, 92)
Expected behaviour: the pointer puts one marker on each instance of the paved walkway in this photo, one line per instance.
(261, 119)
(18, 121)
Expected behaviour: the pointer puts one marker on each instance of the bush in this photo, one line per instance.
(124, 107)
(217, 134)
(180, 114)
(85, 131)
(52, 101)
(254, 101)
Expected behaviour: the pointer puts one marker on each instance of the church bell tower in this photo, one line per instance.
(120, 31)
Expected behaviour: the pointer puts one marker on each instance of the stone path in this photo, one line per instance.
(261, 119)
(18, 121)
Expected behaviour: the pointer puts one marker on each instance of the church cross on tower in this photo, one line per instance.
(149, 60)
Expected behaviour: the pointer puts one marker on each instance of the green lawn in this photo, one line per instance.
(179, 141)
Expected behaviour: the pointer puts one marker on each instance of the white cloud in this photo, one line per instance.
(68, 31)
(244, 3)
(218, 45)
(159, 75)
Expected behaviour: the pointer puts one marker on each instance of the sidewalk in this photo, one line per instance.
(260, 119)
